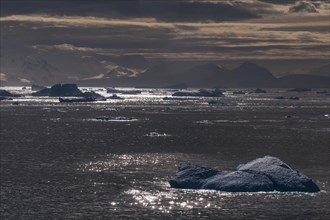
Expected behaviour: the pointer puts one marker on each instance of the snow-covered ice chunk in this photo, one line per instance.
(262, 174)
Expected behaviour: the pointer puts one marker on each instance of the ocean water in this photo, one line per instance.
(59, 162)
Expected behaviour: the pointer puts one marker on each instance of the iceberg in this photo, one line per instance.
(113, 118)
(258, 90)
(201, 93)
(221, 103)
(238, 93)
(69, 90)
(5, 93)
(114, 96)
(126, 92)
(299, 90)
(85, 97)
(291, 97)
(179, 99)
(322, 92)
(59, 90)
(2, 98)
(262, 174)
(156, 134)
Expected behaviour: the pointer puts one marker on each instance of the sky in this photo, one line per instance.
(227, 31)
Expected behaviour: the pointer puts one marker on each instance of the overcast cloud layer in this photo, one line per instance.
(167, 30)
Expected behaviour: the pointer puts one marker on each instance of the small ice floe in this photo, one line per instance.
(232, 121)
(300, 90)
(47, 109)
(178, 99)
(201, 93)
(288, 116)
(156, 134)
(113, 118)
(258, 90)
(322, 92)
(59, 110)
(238, 93)
(126, 92)
(290, 98)
(207, 122)
(294, 98)
(5, 98)
(221, 103)
(114, 96)
(70, 100)
(92, 95)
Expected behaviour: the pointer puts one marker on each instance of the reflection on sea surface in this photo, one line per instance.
(150, 191)
(59, 162)
(155, 96)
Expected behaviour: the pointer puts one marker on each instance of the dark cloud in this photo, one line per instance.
(320, 29)
(163, 10)
(155, 40)
(261, 8)
(279, 2)
(289, 2)
(304, 6)
(115, 37)
(61, 31)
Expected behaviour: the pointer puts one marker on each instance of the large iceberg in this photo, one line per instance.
(262, 174)
(59, 90)
(69, 90)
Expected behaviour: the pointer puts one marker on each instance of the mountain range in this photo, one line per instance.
(210, 75)
(136, 71)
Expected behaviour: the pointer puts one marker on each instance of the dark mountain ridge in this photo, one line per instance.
(321, 71)
(210, 75)
(251, 75)
(303, 81)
